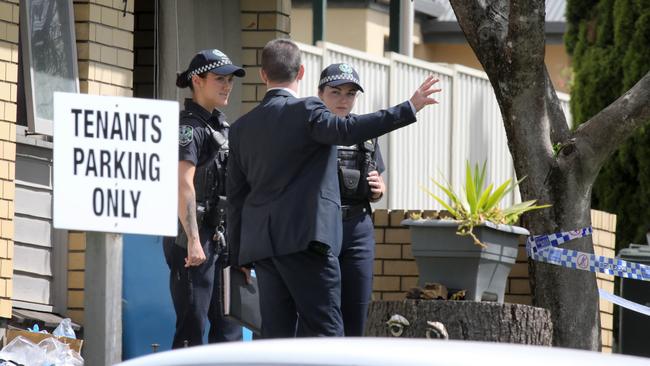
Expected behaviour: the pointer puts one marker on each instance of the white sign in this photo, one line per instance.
(115, 164)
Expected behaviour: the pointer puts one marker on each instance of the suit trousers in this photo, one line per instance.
(304, 285)
(356, 261)
(195, 294)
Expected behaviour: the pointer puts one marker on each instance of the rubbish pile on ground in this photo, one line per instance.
(39, 348)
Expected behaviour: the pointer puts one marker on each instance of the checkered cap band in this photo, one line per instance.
(344, 76)
(208, 67)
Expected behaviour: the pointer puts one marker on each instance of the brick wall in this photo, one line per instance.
(76, 267)
(105, 47)
(8, 96)
(105, 59)
(396, 272)
(261, 21)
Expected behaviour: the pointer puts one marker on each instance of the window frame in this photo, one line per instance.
(35, 123)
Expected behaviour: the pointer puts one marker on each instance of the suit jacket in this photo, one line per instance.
(282, 185)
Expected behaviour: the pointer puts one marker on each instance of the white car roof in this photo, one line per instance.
(380, 351)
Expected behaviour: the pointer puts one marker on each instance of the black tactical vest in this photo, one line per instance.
(354, 164)
(210, 181)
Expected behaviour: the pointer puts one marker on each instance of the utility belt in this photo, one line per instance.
(350, 211)
(213, 215)
(213, 212)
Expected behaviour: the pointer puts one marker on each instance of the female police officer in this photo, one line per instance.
(195, 257)
(360, 182)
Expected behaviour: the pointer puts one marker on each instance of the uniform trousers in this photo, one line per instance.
(195, 294)
(356, 261)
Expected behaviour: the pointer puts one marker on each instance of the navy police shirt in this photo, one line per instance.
(194, 144)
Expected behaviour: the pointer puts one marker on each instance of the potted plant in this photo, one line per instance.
(477, 248)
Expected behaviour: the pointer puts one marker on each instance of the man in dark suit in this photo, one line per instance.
(285, 210)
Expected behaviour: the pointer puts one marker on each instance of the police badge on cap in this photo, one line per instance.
(339, 74)
(213, 61)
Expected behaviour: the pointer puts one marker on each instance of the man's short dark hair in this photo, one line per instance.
(281, 60)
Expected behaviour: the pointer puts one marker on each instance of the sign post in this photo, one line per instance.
(115, 171)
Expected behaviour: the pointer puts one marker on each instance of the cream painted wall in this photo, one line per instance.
(378, 25)
(557, 61)
(346, 27)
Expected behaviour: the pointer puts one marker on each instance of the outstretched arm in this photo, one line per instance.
(329, 129)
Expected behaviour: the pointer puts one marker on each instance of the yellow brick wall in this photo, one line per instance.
(8, 93)
(261, 21)
(396, 272)
(105, 54)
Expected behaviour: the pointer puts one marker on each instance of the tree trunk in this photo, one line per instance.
(465, 320)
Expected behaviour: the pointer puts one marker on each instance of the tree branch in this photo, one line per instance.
(525, 45)
(485, 27)
(601, 135)
(559, 128)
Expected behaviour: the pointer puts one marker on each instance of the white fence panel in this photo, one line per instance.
(478, 134)
(419, 151)
(312, 59)
(564, 102)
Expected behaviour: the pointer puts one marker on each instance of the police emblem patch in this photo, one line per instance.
(218, 53)
(345, 68)
(185, 135)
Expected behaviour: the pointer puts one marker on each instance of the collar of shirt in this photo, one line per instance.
(195, 108)
(295, 95)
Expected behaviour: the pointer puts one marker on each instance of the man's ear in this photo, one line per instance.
(263, 76)
(301, 72)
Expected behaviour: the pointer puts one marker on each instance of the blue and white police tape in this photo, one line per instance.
(544, 248)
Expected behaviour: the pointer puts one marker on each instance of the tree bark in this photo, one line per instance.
(560, 166)
(465, 320)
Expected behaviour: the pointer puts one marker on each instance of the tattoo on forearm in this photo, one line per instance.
(190, 219)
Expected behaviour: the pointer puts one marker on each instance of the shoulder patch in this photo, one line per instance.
(185, 135)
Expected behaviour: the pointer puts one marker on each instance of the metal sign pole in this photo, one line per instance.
(103, 299)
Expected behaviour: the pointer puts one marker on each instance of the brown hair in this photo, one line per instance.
(281, 60)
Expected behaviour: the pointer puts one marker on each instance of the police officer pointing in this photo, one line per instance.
(196, 256)
(360, 182)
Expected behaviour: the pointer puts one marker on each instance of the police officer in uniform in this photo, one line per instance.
(360, 182)
(197, 255)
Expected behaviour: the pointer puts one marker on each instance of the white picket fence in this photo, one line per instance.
(466, 125)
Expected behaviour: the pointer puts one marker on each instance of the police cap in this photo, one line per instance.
(213, 61)
(339, 74)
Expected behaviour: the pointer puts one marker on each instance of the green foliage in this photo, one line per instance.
(609, 40)
(636, 62)
(480, 202)
(596, 82)
(577, 10)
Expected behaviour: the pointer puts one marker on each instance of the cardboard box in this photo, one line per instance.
(75, 344)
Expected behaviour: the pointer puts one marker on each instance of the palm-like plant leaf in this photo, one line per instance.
(470, 188)
(481, 204)
(442, 202)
